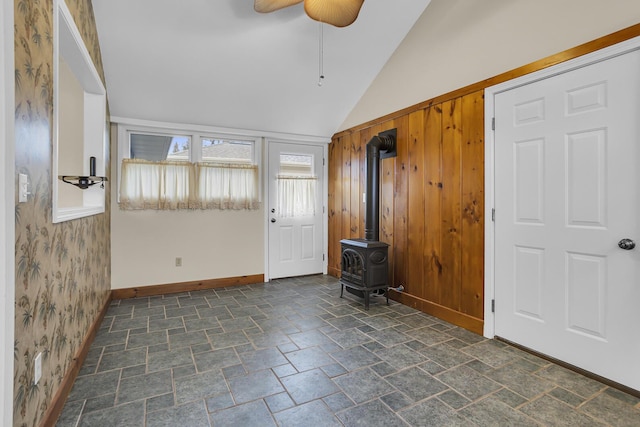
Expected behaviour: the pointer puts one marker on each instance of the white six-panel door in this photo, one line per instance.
(566, 186)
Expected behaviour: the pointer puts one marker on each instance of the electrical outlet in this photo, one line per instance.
(178, 261)
(37, 368)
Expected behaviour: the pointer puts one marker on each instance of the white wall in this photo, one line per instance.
(459, 42)
(212, 244)
(7, 217)
(70, 133)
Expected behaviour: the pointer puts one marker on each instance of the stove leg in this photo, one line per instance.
(366, 300)
(386, 293)
(341, 289)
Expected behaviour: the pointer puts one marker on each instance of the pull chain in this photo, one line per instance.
(321, 55)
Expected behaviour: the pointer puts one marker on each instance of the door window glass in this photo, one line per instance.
(296, 186)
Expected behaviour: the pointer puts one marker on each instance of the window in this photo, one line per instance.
(157, 148)
(227, 176)
(227, 151)
(296, 186)
(167, 171)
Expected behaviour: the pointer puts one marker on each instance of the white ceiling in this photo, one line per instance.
(220, 63)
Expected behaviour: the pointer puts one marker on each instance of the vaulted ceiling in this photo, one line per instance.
(220, 63)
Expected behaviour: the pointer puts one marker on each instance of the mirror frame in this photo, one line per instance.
(68, 43)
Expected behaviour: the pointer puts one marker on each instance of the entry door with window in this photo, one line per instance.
(295, 210)
(567, 200)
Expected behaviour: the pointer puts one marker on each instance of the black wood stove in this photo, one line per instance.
(365, 262)
(365, 268)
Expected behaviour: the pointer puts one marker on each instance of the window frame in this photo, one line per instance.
(69, 48)
(195, 145)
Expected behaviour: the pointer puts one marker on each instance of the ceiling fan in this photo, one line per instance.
(339, 13)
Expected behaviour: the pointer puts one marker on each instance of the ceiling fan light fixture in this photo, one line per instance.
(266, 6)
(339, 13)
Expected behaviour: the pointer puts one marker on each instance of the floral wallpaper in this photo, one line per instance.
(62, 270)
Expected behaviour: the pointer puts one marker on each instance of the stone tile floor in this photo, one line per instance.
(292, 353)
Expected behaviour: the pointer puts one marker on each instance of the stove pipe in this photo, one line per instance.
(380, 146)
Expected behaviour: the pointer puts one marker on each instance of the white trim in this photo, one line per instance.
(489, 111)
(217, 130)
(265, 219)
(7, 212)
(489, 224)
(67, 214)
(325, 209)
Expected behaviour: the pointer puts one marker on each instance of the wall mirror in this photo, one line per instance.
(79, 123)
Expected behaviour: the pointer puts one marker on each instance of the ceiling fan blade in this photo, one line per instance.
(339, 13)
(264, 6)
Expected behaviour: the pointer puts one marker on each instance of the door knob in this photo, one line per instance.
(626, 244)
(273, 220)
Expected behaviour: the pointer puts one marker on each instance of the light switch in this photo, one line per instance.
(23, 188)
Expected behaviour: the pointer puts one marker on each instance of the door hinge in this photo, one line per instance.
(493, 306)
(493, 214)
(323, 161)
(493, 123)
(323, 257)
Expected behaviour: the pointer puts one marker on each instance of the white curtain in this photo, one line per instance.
(156, 185)
(181, 185)
(296, 196)
(227, 186)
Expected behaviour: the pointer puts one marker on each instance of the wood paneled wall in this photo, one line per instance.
(431, 203)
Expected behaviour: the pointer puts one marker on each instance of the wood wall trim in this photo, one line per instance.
(197, 285)
(58, 401)
(575, 52)
(465, 321)
(332, 271)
